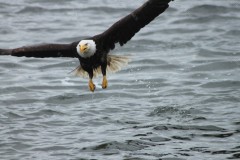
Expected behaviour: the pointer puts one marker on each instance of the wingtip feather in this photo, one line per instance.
(5, 51)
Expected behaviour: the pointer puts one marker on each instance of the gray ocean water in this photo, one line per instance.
(178, 99)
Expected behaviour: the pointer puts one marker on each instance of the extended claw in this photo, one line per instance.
(104, 82)
(91, 85)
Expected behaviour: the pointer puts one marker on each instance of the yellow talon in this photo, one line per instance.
(104, 82)
(91, 85)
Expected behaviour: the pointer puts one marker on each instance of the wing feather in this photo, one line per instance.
(43, 51)
(123, 30)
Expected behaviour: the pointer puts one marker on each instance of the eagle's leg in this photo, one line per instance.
(91, 85)
(104, 81)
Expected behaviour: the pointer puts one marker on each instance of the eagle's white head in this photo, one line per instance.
(86, 48)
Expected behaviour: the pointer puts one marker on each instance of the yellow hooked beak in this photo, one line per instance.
(83, 48)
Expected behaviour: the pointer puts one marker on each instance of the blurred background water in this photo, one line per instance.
(178, 99)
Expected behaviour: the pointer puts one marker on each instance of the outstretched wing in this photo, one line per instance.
(43, 51)
(123, 30)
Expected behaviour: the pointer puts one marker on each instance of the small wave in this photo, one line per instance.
(13, 115)
(129, 145)
(219, 135)
(50, 148)
(199, 75)
(171, 9)
(64, 99)
(56, 65)
(181, 138)
(10, 65)
(70, 39)
(233, 32)
(21, 131)
(165, 110)
(233, 152)
(5, 5)
(207, 19)
(235, 156)
(180, 30)
(35, 9)
(53, 2)
(46, 112)
(108, 10)
(216, 66)
(210, 9)
(147, 42)
(190, 127)
(222, 84)
(156, 139)
(215, 53)
(11, 89)
(174, 112)
(32, 10)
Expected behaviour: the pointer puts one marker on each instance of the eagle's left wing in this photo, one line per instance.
(124, 29)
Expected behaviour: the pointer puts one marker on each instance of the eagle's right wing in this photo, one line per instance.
(43, 51)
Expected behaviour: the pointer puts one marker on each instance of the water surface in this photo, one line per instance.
(178, 99)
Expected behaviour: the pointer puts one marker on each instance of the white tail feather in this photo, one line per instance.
(115, 64)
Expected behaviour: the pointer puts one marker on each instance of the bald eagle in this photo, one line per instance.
(93, 52)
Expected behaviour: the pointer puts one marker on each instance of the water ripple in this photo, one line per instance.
(178, 98)
(211, 9)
